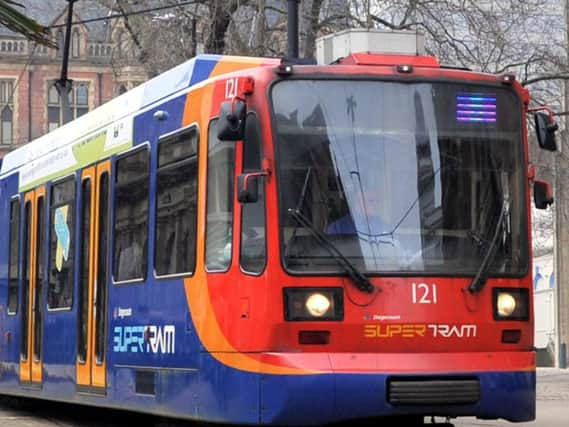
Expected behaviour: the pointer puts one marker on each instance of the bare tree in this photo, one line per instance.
(524, 37)
(220, 16)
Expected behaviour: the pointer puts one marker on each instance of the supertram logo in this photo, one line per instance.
(145, 339)
(419, 331)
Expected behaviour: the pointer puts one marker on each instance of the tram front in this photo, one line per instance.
(403, 221)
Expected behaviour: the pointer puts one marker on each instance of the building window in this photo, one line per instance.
(75, 44)
(78, 102)
(7, 122)
(53, 109)
(122, 45)
(6, 112)
(39, 49)
(60, 38)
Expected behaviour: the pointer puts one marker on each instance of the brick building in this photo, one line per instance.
(101, 65)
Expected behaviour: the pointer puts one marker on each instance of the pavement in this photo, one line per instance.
(552, 403)
(552, 384)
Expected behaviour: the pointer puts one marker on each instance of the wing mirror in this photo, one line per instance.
(542, 194)
(545, 128)
(231, 124)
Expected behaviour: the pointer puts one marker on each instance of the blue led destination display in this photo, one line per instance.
(476, 108)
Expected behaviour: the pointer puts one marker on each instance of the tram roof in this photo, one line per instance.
(175, 80)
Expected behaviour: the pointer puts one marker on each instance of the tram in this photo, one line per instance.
(253, 241)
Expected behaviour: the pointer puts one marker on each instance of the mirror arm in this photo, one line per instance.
(232, 117)
(552, 126)
(234, 100)
(545, 108)
(250, 175)
(267, 168)
(531, 172)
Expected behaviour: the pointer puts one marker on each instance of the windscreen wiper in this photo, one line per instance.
(482, 274)
(361, 281)
(300, 202)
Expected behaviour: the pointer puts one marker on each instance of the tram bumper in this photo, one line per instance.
(339, 387)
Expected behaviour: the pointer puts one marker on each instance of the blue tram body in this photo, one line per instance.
(212, 343)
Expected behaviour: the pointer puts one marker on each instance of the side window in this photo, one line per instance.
(176, 204)
(219, 219)
(40, 278)
(84, 261)
(26, 269)
(61, 248)
(253, 229)
(131, 217)
(14, 271)
(103, 266)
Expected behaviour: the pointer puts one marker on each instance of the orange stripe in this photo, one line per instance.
(408, 363)
(235, 63)
(197, 108)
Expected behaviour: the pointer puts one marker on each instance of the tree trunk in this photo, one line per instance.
(312, 29)
(221, 13)
(259, 47)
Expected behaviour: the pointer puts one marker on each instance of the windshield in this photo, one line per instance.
(400, 177)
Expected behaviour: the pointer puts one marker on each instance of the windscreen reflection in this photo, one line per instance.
(400, 177)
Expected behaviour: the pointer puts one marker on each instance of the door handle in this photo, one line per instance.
(95, 292)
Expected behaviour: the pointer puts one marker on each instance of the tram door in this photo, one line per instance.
(34, 277)
(92, 298)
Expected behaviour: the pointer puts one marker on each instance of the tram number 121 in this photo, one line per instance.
(423, 293)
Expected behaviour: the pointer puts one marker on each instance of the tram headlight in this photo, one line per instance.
(505, 304)
(511, 304)
(318, 304)
(313, 304)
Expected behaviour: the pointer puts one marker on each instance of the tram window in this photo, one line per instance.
(178, 147)
(102, 276)
(62, 238)
(83, 288)
(14, 256)
(220, 183)
(40, 278)
(26, 268)
(253, 230)
(176, 204)
(131, 217)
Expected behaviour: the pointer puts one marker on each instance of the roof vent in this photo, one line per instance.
(339, 45)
